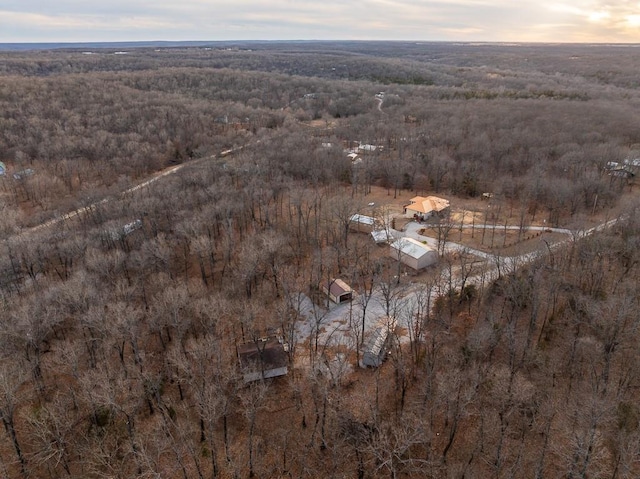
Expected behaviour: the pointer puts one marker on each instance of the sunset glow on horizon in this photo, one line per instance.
(431, 20)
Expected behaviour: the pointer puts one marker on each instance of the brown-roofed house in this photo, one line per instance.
(262, 359)
(338, 291)
(424, 207)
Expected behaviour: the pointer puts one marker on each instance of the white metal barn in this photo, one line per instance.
(414, 254)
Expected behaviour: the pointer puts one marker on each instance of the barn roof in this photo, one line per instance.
(262, 354)
(379, 335)
(411, 247)
(382, 236)
(363, 220)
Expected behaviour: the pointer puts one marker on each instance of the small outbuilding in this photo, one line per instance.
(23, 174)
(362, 223)
(375, 349)
(262, 359)
(338, 291)
(414, 254)
(622, 172)
(632, 162)
(382, 236)
(366, 148)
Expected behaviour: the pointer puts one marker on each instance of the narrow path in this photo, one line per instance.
(145, 184)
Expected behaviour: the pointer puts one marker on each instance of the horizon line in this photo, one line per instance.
(42, 45)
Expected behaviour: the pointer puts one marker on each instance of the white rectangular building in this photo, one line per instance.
(414, 254)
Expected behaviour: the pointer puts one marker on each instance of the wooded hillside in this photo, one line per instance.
(162, 207)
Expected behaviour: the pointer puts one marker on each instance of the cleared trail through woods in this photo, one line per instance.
(145, 184)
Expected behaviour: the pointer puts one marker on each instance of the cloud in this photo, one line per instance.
(600, 20)
(82, 21)
(472, 20)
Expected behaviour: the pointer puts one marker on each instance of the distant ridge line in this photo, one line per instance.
(25, 46)
(34, 46)
(101, 45)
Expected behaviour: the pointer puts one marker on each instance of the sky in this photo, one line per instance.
(584, 21)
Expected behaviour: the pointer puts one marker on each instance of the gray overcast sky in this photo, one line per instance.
(446, 20)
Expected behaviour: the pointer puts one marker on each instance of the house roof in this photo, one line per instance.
(262, 354)
(428, 204)
(411, 247)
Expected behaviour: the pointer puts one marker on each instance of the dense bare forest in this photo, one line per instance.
(164, 208)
